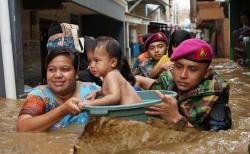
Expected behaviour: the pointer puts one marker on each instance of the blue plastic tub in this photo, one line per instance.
(131, 111)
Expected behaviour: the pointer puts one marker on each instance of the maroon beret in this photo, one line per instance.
(193, 49)
(159, 36)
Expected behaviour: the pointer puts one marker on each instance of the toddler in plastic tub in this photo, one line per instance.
(104, 62)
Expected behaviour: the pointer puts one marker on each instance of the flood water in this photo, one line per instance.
(59, 141)
(110, 135)
(105, 135)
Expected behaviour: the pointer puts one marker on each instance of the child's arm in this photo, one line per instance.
(155, 71)
(93, 95)
(112, 93)
(144, 82)
(158, 69)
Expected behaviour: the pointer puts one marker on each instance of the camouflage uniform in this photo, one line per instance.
(146, 67)
(206, 106)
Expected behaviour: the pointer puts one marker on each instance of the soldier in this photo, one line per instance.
(202, 100)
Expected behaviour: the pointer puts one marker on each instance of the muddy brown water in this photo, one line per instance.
(60, 141)
(110, 135)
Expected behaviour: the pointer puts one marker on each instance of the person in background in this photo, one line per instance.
(245, 21)
(202, 100)
(156, 47)
(176, 38)
(143, 54)
(164, 63)
(84, 74)
(104, 62)
(88, 44)
(55, 105)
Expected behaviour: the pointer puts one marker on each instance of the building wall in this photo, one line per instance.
(31, 47)
(14, 12)
(26, 25)
(15, 22)
(106, 7)
(142, 29)
(139, 10)
(32, 31)
(26, 35)
(34, 24)
(33, 56)
(2, 87)
(99, 25)
(223, 37)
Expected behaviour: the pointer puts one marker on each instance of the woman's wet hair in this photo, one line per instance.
(176, 38)
(55, 52)
(112, 47)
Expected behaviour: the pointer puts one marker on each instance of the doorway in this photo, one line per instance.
(44, 25)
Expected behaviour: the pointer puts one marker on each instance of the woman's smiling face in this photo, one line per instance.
(61, 74)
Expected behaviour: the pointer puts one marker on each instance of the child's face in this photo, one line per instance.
(157, 49)
(100, 62)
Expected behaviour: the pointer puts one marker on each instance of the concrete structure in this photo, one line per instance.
(30, 20)
(150, 13)
(239, 47)
(210, 22)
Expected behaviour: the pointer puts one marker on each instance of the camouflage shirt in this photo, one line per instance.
(144, 68)
(196, 104)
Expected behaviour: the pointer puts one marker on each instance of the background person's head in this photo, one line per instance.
(89, 44)
(62, 67)
(191, 63)
(176, 38)
(156, 45)
(245, 17)
(144, 38)
(54, 28)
